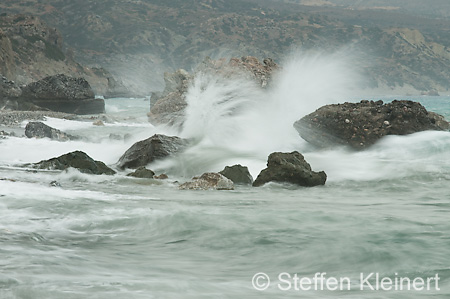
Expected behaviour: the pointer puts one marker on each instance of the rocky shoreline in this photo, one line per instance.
(395, 118)
(357, 126)
(16, 118)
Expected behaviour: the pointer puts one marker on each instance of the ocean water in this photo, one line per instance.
(384, 211)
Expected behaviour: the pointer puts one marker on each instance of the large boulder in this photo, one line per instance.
(78, 160)
(238, 174)
(37, 129)
(360, 125)
(156, 147)
(209, 181)
(261, 72)
(63, 94)
(290, 168)
(168, 107)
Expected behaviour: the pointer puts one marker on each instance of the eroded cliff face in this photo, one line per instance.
(30, 50)
(6, 55)
(137, 41)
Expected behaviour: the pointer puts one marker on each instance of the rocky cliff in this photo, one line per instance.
(139, 40)
(30, 50)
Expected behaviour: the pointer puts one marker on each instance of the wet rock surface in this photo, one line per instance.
(63, 94)
(289, 168)
(238, 174)
(142, 173)
(41, 130)
(146, 151)
(167, 107)
(209, 181)
(76, 159)
(360, 125)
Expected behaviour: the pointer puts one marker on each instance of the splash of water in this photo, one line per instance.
(233, 120)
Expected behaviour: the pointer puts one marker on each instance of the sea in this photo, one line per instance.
(378, 228)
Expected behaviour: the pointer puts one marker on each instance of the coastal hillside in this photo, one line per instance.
(397, 47)
(31, 50)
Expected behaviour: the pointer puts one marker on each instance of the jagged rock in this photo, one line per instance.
(360, 125)
(439, 121)
(78, 160)
(261, 72)
(156, 147)
(209, 181)
(31, 50)
(290, 168)
(41, 130)
(238, 174)
(142, 173)
(64, 94)
(167, 107)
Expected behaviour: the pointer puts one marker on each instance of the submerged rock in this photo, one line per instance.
(360, 125)
(41, 130)
(55, 184)
(156, 147)
(209, 181)
(9, 134)
(142, 173)
(238, 174)
(162, 176)
(289, 168)
(78, 160)
(63, 94)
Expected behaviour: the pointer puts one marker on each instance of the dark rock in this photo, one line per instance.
(41, 130)
(151, 149)
(9, 134)
(142, 173)
(78, 160)
(238, 174)
(360, 125)
(55, 184)
(439, 121)
(290, 168)
(63, 94)
(209, 181)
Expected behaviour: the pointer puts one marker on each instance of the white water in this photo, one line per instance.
(382, 210)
